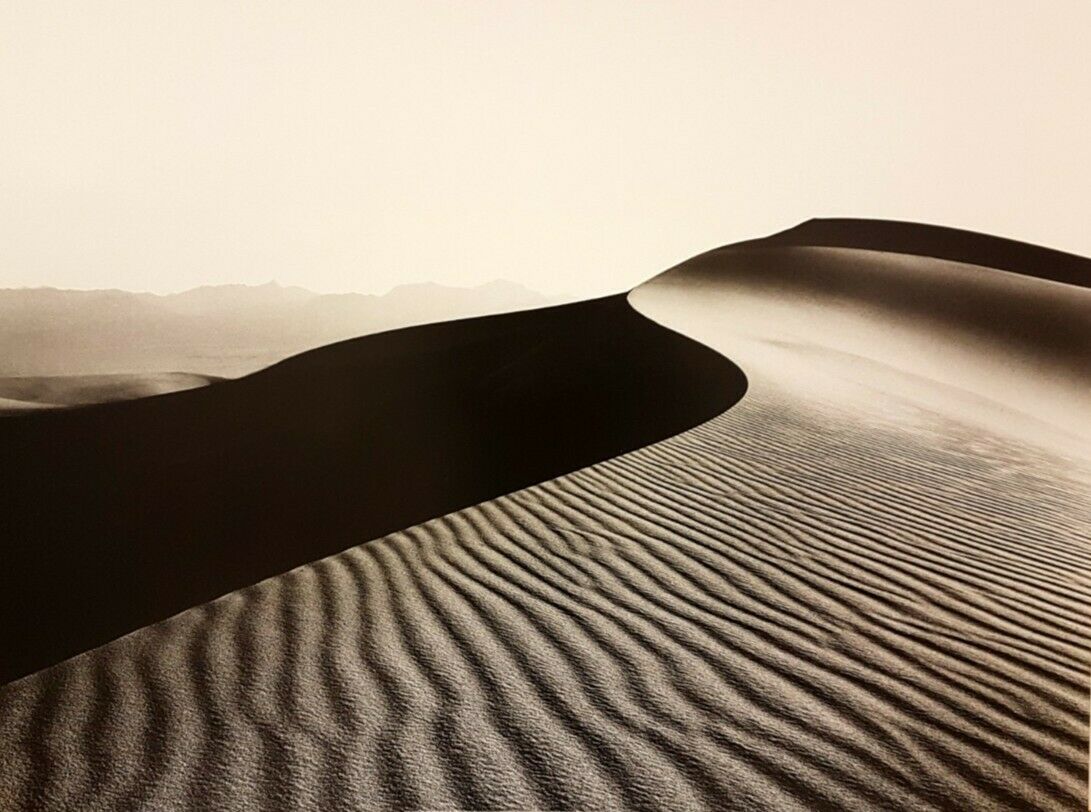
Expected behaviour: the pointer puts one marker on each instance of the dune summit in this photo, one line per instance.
(862, 587)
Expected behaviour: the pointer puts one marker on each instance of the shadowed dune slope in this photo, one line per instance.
(119, 515)
(864, 587)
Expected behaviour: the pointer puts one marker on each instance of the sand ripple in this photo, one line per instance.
(707, 623)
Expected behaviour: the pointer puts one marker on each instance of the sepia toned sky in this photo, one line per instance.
(575, 147)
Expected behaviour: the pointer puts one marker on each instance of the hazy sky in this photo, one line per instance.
(574, 147)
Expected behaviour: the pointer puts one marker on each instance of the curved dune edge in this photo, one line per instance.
(120, 515)
(1014, 348)
(936, 242)
(8, 405)
(60, 391)
(841, 593)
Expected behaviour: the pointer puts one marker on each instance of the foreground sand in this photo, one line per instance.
(863, 587)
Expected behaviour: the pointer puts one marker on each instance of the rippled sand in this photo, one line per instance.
(860, 588)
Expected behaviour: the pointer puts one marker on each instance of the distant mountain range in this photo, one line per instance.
(224, 330)
(74, 346)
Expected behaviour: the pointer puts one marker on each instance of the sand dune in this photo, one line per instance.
(820, 314)
(863, 587)
(120, 515)
(14, 405)
(938, 242)
(81, 390)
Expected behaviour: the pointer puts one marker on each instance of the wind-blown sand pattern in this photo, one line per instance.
(862, 587)
(120, 515)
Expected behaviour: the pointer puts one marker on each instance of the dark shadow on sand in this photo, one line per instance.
(119, 515)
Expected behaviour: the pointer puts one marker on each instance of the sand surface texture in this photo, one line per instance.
(119, 515)
(863, 587)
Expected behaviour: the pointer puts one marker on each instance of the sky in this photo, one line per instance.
(578, 148)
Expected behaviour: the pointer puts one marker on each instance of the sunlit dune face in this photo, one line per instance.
(990, 345)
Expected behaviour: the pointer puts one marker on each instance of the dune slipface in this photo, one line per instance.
(863, 587)
(120, 515)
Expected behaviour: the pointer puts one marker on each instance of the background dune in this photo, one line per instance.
(80, 390)
(863, 587)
